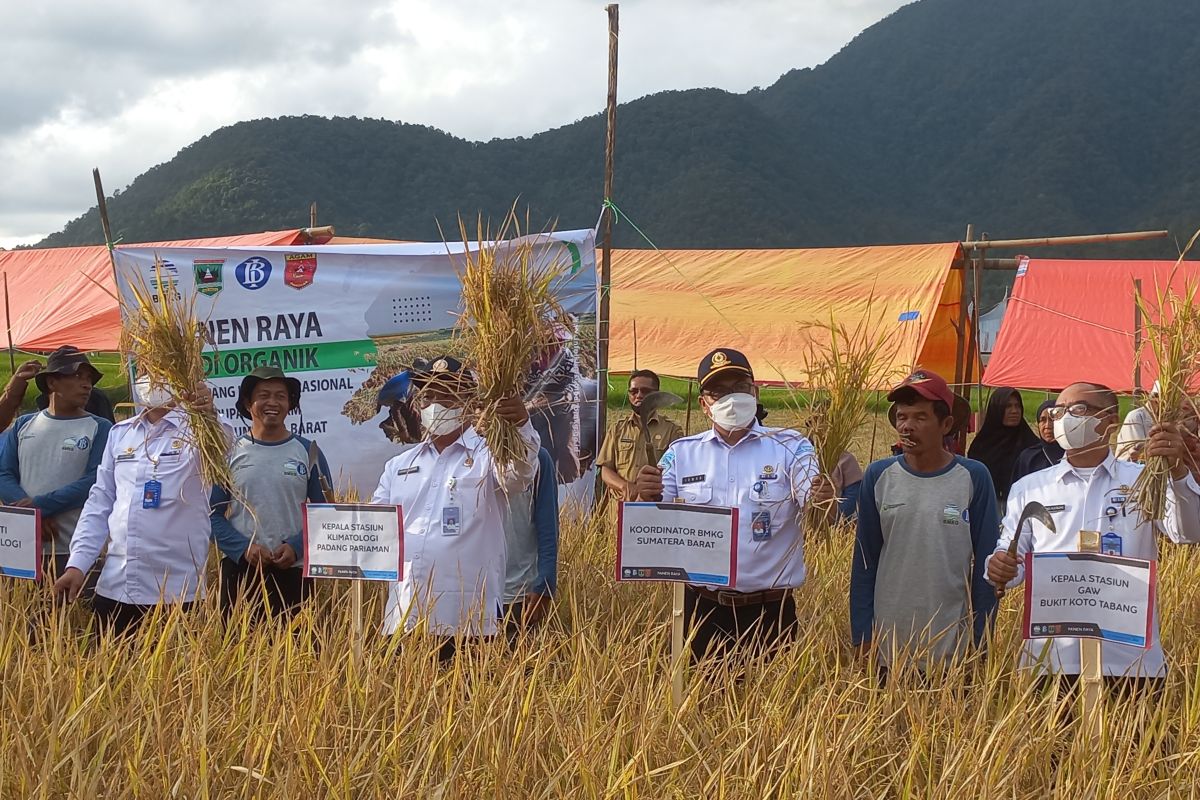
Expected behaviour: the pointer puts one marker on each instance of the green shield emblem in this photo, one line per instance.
(208, 275)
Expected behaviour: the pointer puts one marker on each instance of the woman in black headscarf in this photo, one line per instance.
(1045, 453)
(1002, 437)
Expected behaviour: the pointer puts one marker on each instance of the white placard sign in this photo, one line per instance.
(676, 542)
(1091, 596)
(353, 540)
(20, 543)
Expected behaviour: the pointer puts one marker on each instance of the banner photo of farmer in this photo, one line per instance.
(349, 320)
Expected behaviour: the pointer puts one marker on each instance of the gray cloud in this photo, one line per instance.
(124, 86)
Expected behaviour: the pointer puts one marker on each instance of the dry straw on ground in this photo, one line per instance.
(161, 333)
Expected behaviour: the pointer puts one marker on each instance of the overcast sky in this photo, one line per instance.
(124, 86)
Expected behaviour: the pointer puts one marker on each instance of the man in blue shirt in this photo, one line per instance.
(531, 537)
(927, 521)
(258, 523)
(48, 459)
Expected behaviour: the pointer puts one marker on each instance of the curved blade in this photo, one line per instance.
(1032, 510)
(656, 400)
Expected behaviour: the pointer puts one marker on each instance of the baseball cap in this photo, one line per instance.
(723, 361)
(927, 384)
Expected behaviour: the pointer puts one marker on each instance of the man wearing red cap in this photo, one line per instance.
(927, 521)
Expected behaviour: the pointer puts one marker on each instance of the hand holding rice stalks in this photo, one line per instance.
(510, 318)
(160, 332)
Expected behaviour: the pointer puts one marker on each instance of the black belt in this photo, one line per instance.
(726, 597)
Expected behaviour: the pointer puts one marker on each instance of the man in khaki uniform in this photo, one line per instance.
(623, 453)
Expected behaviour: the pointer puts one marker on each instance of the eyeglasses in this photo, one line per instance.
(741, 387)
(1079, 409)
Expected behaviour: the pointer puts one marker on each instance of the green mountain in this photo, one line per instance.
(1026, 117)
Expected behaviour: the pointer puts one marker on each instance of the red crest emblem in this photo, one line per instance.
(299, 269)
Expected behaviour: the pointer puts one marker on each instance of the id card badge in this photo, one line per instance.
(760, 526)
(151, 494)
(451, 520)
(1110, 544)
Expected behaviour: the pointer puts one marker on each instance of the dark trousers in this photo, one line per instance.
(718, 630)
(278, 591)
(121, 619)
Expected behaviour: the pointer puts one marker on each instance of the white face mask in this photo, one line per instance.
(440, 420)
(151, 396)
(1076, 433)
(734, 412)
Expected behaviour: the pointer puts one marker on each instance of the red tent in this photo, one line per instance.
(1073, 321)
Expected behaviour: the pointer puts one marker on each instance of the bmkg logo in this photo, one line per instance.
(253, 273)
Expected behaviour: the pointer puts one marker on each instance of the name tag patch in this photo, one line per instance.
(692, 479)
(953, 515)
(408, 471)
(1058, 509)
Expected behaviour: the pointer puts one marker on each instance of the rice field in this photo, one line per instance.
(194, 708)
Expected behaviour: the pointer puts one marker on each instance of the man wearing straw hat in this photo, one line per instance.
(258, 523)
(150, 505)
(766, 473)
(454, 497)
(927, 521)
(48, 459)
(1091, 490)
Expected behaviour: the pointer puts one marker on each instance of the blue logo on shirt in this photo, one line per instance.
(76, 443)
(293, 467)
(253, 273)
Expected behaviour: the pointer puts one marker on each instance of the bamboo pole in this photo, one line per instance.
(1091, 662)
(1137, 333)
(975, 358)
(12, 358)
(960, 329)
(312, 215)
(610, 144)
(687, 419)
(1061, 241)
(678, 656)
(102, 209)
(635, 364)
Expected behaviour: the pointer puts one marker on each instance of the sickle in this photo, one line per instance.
(1032, 510)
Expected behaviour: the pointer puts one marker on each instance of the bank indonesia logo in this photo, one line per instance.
(253, 273)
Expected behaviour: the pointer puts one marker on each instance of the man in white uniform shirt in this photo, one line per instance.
(1091, 490)
(766, 473)
(453, 497)
(151, 507)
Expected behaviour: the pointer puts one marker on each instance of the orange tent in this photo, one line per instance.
(66, 295)
(685, 302)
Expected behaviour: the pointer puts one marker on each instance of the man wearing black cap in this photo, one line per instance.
(48, 459)
(927, 522)
(454, 500)
(258, 523)
(766, 473)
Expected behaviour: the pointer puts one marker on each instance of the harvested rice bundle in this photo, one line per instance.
(510, 316)
(160, 332)
(842, 367)
(1173, 337)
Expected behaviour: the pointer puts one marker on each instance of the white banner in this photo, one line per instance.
(677, 542)
(352, 540)
(1089, 595)
(344, 319)
(21, 542)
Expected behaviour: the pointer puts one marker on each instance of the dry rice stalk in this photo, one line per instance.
(1172, 334)
(842, 373)
(160, 332)
(510, 315)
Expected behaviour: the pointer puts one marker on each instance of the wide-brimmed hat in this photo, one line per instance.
(266, 374)
(66, 360)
